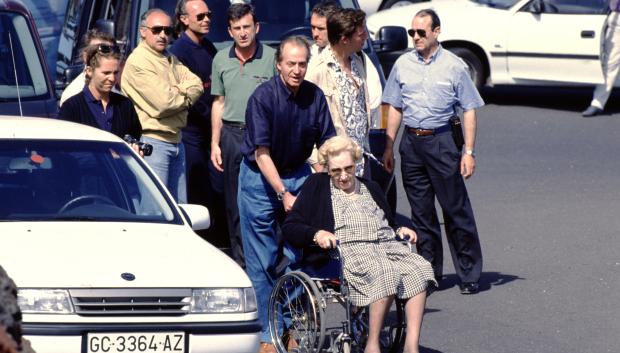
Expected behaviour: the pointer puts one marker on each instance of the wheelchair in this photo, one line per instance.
(309, 307)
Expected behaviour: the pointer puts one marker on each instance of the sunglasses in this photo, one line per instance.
(350, 169)
(201, 16)
(107, 48)
(420, 32)
(158, 29)
(102, 49)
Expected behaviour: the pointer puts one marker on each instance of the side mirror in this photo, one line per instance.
(390, 38)
(197, 215)
(72, 72)
(105, 26)
(536, 6)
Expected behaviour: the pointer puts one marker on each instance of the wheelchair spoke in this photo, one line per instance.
(294, 307)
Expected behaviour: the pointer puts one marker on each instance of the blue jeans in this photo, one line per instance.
(168, 162)
(260, 211)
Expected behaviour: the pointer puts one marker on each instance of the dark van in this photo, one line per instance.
(24, 76)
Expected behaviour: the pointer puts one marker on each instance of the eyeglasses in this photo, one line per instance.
(350, 169)
(157, 30)
(420, 32)
(201, 16)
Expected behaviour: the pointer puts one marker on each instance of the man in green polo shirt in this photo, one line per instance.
(237, 71)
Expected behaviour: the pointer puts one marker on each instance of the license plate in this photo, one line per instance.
(146, 342)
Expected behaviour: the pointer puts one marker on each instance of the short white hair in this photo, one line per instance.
(336, 145)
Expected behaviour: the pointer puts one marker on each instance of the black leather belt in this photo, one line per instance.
(234, 124)
(428, 132)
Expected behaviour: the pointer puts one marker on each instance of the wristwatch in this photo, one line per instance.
(471, 153)
(281, 194)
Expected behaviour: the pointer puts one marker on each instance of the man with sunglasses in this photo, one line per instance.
(425, 89)
(106, 42)
(162, 90)
(194, 50)
(237, 71)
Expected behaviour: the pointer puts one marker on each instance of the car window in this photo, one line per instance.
(49, 16)
(17, 46)
(571, 7)
(69, 41)
(500, 4)
(78, 180)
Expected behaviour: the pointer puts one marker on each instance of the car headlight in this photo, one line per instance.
(44, 301)
(223, 300)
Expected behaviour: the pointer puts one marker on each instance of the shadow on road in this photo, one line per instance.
(428, 350)
(487, 280)
(574, 99)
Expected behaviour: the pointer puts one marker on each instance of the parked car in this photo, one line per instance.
(105, 260)
(517, 42)
(25, 84)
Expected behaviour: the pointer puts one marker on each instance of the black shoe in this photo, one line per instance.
(591, 111)
(469, 288)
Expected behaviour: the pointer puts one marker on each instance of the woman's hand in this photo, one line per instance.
(136, 148)
(325, 239)
(407, 234)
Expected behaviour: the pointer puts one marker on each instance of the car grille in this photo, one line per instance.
(109, 302)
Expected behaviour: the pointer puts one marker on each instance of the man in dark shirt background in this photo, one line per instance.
(285, 118)
(194, 50)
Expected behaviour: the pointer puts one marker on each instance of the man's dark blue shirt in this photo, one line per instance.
(198, 58)
(103, 117)
(290, 125)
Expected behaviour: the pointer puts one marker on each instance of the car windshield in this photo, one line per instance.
(500, 4)
(58, 180)
(17, 46)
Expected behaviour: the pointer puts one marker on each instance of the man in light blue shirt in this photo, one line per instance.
(425, 88)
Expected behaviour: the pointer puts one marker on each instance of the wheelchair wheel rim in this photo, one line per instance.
(295, 305)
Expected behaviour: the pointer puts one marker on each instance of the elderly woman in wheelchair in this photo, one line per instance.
(339, 208)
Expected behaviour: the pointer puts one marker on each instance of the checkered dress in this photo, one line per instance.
(375, 264)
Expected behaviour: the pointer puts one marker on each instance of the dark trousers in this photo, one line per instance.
(430, 168)
(201, 178)
(230, 144)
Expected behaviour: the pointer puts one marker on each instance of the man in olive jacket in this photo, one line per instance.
(162, 90)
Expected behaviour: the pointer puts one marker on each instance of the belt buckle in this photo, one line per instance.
(423, 132)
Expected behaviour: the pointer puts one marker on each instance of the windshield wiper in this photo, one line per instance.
(76, 218)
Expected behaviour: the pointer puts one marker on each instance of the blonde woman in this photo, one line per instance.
(97, 105)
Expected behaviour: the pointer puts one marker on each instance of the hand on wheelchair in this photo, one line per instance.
(408, 234)
(325, 239)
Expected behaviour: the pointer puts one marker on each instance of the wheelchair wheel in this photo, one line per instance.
(392, 335)
(297, 306)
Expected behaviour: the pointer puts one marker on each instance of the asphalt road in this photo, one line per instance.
(546, 195)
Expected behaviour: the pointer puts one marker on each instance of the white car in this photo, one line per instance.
(104, 259)
(525, 42)
(372, 6)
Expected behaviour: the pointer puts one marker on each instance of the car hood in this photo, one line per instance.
(94, 255)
